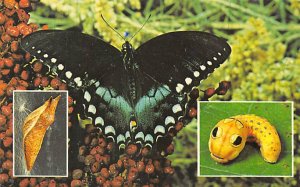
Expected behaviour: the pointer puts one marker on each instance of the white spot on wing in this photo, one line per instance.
(196, 73)
(140, 135)
(68, 74)
(97, 83)
(92, 109)
(120, 138)
(32, 47)
(219, 54)
(78, 81)
(209, 63)
(215, 58)
(188, 81)
(202, 67)
(176, 108)
(109, 129)
(60, 67)
(53, 60)
(87, 96)
(149, 138)
(39, 51)
(159, 129)
(169, 119)
(45, 55)
(127, 134)
(99, 120)
(179, 87)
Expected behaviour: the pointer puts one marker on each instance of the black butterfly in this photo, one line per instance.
(133, 95)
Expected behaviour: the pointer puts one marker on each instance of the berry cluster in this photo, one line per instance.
(137, 166)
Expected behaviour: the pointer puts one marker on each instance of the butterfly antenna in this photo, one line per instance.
(141, 27)
(112, 28)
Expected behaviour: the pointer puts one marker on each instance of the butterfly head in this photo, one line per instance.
(127, 48)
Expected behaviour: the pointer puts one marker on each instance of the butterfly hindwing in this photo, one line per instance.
(182, 59)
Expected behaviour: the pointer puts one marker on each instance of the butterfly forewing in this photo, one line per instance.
(72, 53)
(182, 59)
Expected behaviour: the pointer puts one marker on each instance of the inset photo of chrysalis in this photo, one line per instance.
(245, 139)
(40, 128)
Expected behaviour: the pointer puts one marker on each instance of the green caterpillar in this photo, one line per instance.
(228, 138)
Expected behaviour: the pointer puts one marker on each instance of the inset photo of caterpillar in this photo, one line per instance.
(40, 124)
(245, 139)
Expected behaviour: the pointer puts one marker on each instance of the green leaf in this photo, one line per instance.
(250, 161)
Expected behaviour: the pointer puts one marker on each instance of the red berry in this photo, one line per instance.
(8, 62)
(178, 126)
(27, 57)
(100, 180)
(9, 154)
(25, 30)
(9, 3)
(13, 31)
(2, 18)
(22, 15)
(7, 165)
(23, 83)
(6, 110)
(5, 37)
(1, 153)
(5, 71)
(33, 181)
(20, 87)
(24, 3)
(168, 170)
(37, 67)
(14, 46)
(2, 120)
(17, 68)
(131, 149)
(3, 178)
(37, 81)
(170, 149)
(17, 57)
(45, 81)
(63, 86)
(149, 168)
(34, 26)
(45, 27)
(104, 173)
(193, 112)
(209, 92)
(140, 166)
(2, 64)
(24, 75)
(55, 83)
(7, 141)
(9, 22)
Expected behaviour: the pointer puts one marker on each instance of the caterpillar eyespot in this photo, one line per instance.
(229, 136)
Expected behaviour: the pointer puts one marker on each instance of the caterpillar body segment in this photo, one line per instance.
(229, 136)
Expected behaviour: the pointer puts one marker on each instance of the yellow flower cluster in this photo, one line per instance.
(295, 7)
(257, 67)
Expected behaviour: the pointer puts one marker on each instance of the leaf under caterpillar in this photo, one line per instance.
(34, 129)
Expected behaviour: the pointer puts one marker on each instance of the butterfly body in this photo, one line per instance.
(132, 95)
